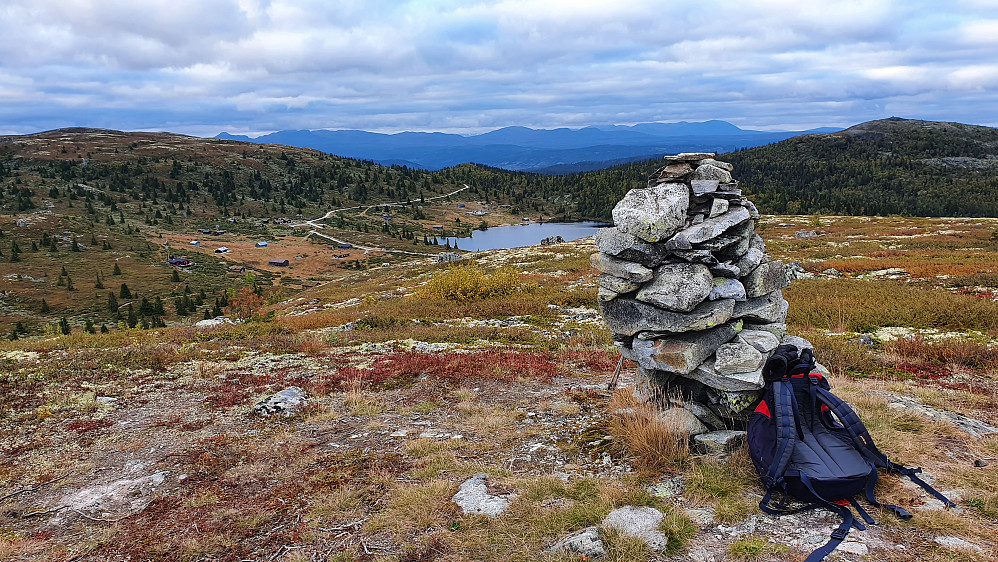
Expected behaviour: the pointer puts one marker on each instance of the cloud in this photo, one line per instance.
(259, 65)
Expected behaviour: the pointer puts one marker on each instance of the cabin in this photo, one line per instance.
(204, 231)
(386, 217)
(195, 243)
(177, 261)
(438, 227)
(460, 205)
(261, 244)
(279, 263)
(221, 250)
(236, 269)
(344, 246)
(479, 213)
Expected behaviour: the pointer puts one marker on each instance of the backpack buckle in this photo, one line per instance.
(839, 533)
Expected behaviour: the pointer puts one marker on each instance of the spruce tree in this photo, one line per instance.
(175, 277)
(64, 326)
(116, 270)
(45, 307)
(124, 292)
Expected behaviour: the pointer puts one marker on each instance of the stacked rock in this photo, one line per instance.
(689, 292)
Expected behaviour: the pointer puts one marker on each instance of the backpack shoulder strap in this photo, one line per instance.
(784, 408)
(861, 438)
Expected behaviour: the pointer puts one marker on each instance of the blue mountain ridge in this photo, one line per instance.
(525, 149)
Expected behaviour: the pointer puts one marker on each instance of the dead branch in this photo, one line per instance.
(45, 512)
(100, 520)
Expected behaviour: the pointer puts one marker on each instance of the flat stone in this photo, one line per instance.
(800, 343)
(678, 287)
(736, 251)
(640, 522)
(619, 268)
(737, 357)
(718, 243)
(586, 543)
(612, 241)
(975, 428)
(653, 213)
(751, 259)
(712, 228)
(725, 270)
(708, 375)
(473, 497)
(956, 542)
(762, 340)
(606, 295)
(768, 308)
(682, 420)
(728, 289)
(718, 207)
(719, 442)
(757, 242)
(681, 353)
(678, 242)
(711, 172)
(717, 163)
(286, 402)
(689, 156)
(778, 329)
(628, 316)
(678, 170)
(617, 284)
(703, 187)
(696, 256)
(668, 488)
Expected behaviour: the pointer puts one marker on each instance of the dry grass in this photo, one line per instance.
(655, 440)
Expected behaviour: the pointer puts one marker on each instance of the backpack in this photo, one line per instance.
(809, 444)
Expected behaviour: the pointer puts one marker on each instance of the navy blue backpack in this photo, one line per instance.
(809, 444)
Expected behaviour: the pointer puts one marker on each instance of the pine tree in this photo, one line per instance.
(175, 277)
(116, 270)
(76, 245)
(112, 303)
(99, 284)
(103, 328)
(45, 307)
(64, 326)
(132, 319)
(124, 292)
(89, 327)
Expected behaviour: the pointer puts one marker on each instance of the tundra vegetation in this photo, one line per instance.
(126, 432)
(421, 375)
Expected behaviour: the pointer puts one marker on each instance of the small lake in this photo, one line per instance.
(530, 234)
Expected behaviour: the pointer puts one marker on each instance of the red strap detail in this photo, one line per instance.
(824, 408)
(763, 409)
(841, 502)
(818, 376)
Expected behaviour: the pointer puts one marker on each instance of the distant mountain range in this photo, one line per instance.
(556, 151)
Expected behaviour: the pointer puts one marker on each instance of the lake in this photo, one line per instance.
(499, 237)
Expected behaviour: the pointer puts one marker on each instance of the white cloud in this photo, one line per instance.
(452, 64)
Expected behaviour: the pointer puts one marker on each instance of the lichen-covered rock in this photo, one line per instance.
(703, 187)
(654, 213)
(712, 228)
(711, 172)
(473, 497)
(681, 353)
(768, 277)
(706, 374)
(768, 308)
(719, 442)
(751, 260)
(778, 329)
(718, 207)
(612, 241)
(727, 289)
(739, 403)
(619, 268)
(285, 402)
(737, 357)
(617, 284)
(628, 316)
(679, 287)
(722, 165)
(639, 522)
(762, 340)
(586, 543)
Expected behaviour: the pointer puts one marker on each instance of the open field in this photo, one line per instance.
(138, 444)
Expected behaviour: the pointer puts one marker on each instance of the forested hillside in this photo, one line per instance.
(892, 166)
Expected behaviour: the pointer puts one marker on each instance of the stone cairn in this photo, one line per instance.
(690, 293)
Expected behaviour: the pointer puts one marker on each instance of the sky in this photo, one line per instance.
(255, 66)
